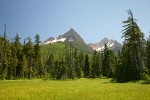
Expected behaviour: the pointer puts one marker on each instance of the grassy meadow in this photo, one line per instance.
(79, 89)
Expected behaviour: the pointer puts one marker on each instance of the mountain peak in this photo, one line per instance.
(71, 29)
(72, 32)
(70, 36)
(112, 44)
(104, 40)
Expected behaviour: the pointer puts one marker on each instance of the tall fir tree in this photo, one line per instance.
(132, 53)
(96, 67)
(13, 63)
(17, 53)
(148, 55)
(1, 52)
(82, 61)
(71, 73)
(78, 70)
(51, 66)
(38, 63)
(5, 56)
(87, 67)
(109, 62)
(29, 51)
(24, 66)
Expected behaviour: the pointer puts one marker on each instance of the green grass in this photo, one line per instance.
(79, 89)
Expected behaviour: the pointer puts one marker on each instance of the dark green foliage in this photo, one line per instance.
(1, 51)
(87, 66)
(96, 67)
(38, 63)
(109, 62)
(77, 67)
(20, 61)
(30, 58)
(17, 54)
(81, 60)
(24, 66)
(132, 67)
(148, 55)
(5, 56)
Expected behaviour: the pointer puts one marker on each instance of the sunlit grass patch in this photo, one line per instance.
(79, 89)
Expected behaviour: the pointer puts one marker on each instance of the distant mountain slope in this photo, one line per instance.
(70, 37)
(112, 44)
(57, 49)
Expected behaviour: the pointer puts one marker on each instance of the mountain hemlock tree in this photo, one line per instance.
(5, 55)
(109, 62)
(30, 57)
(63, 68)
(17, 52)
(24, 66)
(148, 55)
(96, 67)
(132, 53)
(87, 67)
(13, 62)
(38, 64)
(82, 61)
(51, 66)
(71, 73)
(1, 44)
(78, 70)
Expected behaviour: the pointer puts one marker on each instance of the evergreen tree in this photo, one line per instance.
(82, 61)
(67, 60)
(109, 62)
(6, 52)
(63, 68)
(57, 69)
(24, 66)
(148, 55)
(77, 67)
(17, 56)
(29, 51)
(38, 63)
(60, 69)
(71, 73)
(87, 66)
(13, 63)
(96, 68)
(132, 53)
(1, 49)
(51, 66)
(118, 71)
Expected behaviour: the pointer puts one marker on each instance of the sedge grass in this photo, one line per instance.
(79, 89)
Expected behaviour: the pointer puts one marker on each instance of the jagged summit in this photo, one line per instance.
(112, 44)
(72, 30)
(70, 36)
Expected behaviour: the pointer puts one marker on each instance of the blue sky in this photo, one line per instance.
(92, 19)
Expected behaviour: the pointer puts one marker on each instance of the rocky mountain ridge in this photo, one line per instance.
(77, 41)
(112, 44)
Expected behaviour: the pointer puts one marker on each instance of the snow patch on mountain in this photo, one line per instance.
(71, 36)
(99, 46)
(55, 40)
(109, 45)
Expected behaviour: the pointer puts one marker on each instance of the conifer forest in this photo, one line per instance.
(31, 59)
